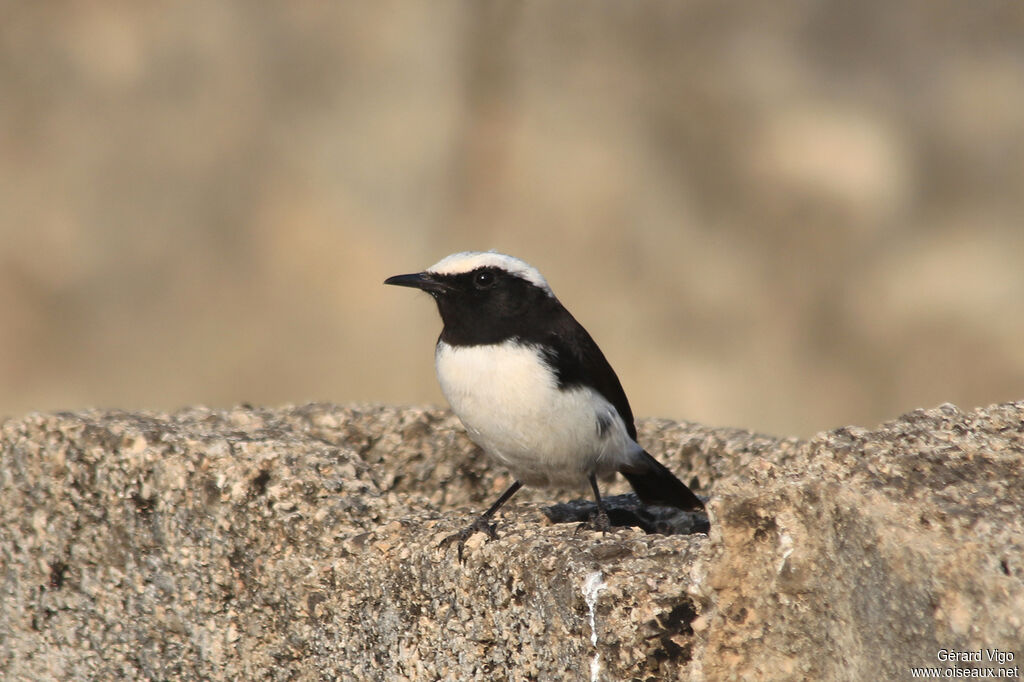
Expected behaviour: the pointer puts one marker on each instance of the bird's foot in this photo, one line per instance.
(481, 525)
(598, 521)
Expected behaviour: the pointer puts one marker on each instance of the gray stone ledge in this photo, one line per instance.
(302, 543)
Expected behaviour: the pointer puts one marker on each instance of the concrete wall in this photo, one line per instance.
(303, 544)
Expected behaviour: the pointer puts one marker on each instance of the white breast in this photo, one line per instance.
(512, 407)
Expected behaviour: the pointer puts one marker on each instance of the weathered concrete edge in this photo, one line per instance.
(796, 524)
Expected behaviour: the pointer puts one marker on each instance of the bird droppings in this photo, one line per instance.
(139, 546)
(592, 587)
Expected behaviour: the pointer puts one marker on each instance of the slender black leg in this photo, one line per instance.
(483, 522)
(505, 496)
(600, 520)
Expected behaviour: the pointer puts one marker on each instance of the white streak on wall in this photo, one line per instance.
(591, 588)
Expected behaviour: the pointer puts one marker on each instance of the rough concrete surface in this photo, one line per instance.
(302, 543)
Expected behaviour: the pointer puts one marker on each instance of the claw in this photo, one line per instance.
(481, 525)
(598, 521)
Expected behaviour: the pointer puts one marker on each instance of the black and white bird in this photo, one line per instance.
(531, 386)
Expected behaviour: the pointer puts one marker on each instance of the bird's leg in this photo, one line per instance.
(483, 522)
(599, 521)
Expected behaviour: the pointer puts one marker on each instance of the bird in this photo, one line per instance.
(532, 387)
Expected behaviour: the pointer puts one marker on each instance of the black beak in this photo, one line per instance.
(420, 280)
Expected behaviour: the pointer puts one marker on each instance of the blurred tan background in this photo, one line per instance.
(785, 216)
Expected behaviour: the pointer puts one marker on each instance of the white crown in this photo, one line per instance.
(467, 261)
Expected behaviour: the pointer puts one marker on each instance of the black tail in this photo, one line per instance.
(655, 484)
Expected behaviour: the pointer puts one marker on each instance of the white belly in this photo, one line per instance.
(512, 407)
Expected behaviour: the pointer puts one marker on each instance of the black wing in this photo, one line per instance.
(577, 361)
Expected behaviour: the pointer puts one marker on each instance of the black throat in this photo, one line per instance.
(527, 324)
(511, 308)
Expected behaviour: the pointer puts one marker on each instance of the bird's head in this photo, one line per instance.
(485, 295)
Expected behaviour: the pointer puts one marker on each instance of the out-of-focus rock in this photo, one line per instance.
(839, 181)
(302, 543)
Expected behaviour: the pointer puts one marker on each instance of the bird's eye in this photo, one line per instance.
(483, 280)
